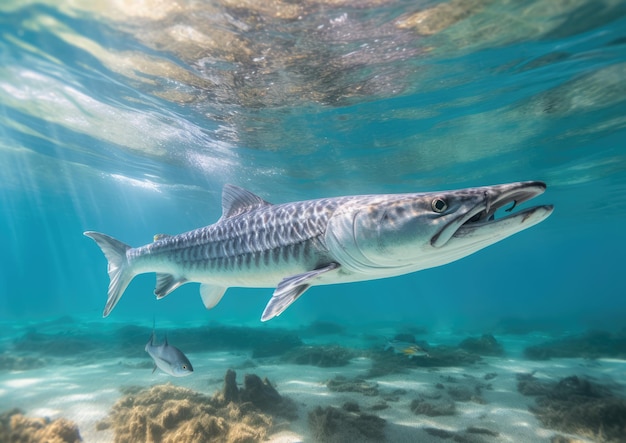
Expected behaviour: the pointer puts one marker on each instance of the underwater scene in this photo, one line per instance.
(315, 221)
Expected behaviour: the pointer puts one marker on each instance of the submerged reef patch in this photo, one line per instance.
(578, 406)
(324, 356)
(261, 394)
(83, 347)
(593, 344)
(333, 425)
(165, 413)
(10, 362)
(16, 427)
(485, 345)
(433, 407)
(344, 384)
(466, 353)
(442, 400)
(55, 345)
(384, 363)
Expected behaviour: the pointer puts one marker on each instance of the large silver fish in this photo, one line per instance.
(293, 246)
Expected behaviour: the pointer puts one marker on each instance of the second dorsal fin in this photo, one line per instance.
(236, 200)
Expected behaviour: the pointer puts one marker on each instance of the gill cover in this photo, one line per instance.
(381, 232)
(341, 238)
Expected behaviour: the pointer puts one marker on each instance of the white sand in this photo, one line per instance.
(85, 394)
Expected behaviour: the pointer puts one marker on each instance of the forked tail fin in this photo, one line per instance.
(119, 270)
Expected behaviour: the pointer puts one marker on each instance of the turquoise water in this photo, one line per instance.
(129, 118)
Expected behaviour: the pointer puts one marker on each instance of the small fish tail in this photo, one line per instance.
(120, 272)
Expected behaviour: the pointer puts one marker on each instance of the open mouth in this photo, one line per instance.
(511, 199)
(493, 216)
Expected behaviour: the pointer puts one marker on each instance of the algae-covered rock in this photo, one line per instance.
(384, 363)
(333, 425)
(441, 400)
(528, 384)
(167, 413)
(578, 406)
(16, 427)
(266, 398)
(343, 384)
(351, 406)
(379, 406)
(230, 392)
(485, 345)
(465, 394)
(433, 407)
(259, 393)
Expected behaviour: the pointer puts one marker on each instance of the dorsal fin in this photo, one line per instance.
(236, 200)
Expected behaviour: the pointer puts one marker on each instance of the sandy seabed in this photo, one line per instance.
(86, 394)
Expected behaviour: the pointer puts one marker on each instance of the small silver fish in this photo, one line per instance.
(405, 348)
(169, 359)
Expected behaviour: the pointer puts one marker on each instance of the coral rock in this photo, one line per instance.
(485, 345)
(578, 406)
(168, 413)
(332, 425)
(15, 427)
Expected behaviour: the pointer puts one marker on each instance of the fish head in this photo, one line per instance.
(181, 368)
(409, 232)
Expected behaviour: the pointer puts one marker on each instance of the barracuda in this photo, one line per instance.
(294, 246)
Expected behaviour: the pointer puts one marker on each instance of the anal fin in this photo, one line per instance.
(166, 283)
(290, 288)
(211, 294)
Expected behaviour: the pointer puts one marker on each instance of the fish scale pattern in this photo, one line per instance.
(262, 237)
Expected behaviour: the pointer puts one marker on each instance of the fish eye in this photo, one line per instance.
(439, 205)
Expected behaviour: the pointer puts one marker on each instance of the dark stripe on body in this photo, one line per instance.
(262, 238)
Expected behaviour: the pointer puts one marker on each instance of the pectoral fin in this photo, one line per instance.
(166, 283)
(211, 294)
(290, 288)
